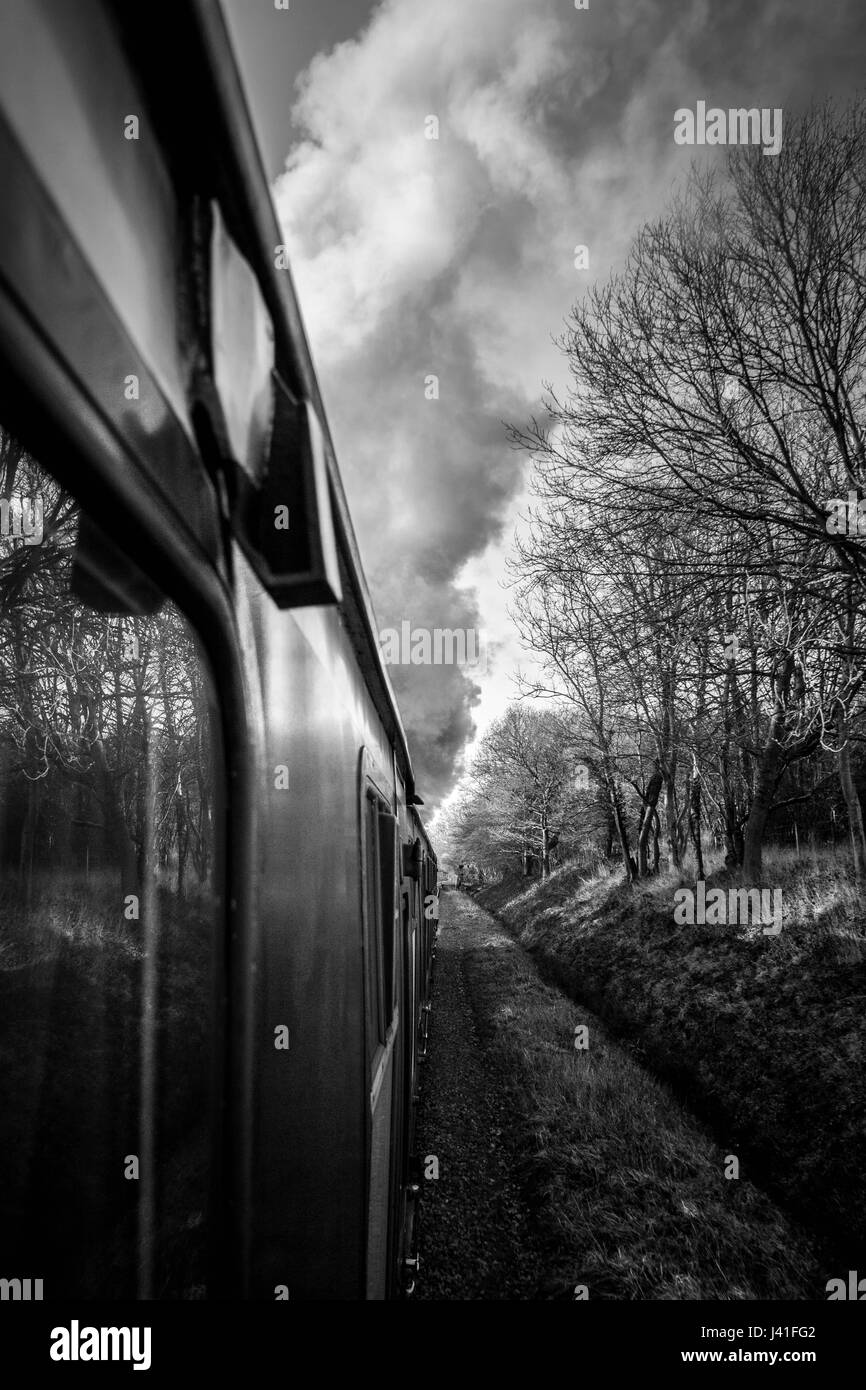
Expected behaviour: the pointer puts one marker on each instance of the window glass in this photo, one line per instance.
(110, 910)
(387, 843)
(375, 1005)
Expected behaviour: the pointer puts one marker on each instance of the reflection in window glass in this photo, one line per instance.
(109, 912)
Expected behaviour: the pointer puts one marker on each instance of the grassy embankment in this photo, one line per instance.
(763, 1037)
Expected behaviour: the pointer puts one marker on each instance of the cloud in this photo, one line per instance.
(454, 257)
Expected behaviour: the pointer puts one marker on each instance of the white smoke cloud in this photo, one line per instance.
(454, 258)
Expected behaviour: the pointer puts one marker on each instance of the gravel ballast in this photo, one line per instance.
(476, 1236)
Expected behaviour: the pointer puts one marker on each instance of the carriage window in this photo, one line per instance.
(109, 911)
(374, 968)
(387, 867)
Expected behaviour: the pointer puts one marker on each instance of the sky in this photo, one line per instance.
(454, 257)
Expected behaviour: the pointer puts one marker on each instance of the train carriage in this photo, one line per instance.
(218, 897)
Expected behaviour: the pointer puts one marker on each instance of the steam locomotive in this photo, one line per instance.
(217, 900)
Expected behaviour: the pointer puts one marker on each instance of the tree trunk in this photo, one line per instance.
(765, 788)
(28, 837)
(621, 830)
(852, 802)
(695, 817)
(849, 791)
(651, 797)
(119, 839)
(731, 833)
(672, 835)
(182, 824)
(609, 832)
(767, 776)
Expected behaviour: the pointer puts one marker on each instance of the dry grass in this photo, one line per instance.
(628, 1190)
(762, 1036)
